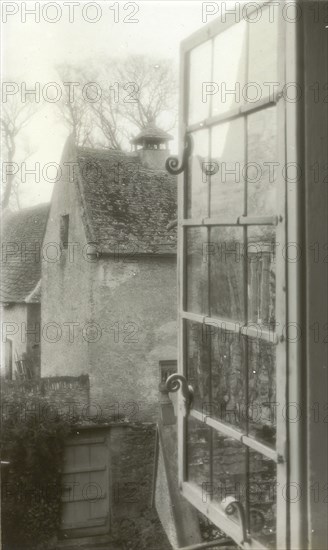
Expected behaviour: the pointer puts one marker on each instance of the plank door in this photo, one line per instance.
(85, 486)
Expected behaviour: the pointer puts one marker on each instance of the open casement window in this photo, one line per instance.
(233, 228)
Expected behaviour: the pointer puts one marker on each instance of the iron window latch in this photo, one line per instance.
(172, 163)
(230, 506)
(178, 381)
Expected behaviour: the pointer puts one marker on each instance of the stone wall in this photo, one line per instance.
(65, 395)
(135, 306)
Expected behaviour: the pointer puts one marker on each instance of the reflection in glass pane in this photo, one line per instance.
(197, 269)
(197, 195)
(198, 364)
(262, 154)
(262, 498)
(228, 157)
(225, 254)
(200, 73)
(261, 276)
(229, 68)
(228, 401)
(198, 453)
(229, 469)
(263, 57)
(262, 391)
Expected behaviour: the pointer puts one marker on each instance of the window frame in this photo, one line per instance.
(288, 279)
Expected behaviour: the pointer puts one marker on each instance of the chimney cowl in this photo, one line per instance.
(151, 145)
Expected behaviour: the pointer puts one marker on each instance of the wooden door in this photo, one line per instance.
(85, 485)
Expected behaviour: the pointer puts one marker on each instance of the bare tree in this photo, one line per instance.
(150, 87)
(73, 109)
(108, 120)
(15, 115)
(129, 94)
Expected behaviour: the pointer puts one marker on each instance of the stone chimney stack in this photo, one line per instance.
(151, 145)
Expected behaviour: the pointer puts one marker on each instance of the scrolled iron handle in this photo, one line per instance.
(176, 382)
(172, 163)
(230, 505)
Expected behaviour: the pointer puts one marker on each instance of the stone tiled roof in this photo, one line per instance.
(22, 232)
(126, 207)
(152, 131)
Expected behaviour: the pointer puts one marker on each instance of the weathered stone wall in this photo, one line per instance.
(66, 395)
(135, 306)
(65, 295)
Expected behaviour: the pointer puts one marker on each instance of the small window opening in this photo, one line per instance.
(166, 368)
(64, 228)
(8, 359)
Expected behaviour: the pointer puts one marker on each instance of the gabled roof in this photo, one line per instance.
(22, 233)
(152, 132)
(126, 207)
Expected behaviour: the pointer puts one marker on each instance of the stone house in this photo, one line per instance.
(21, 258)
(109, 274)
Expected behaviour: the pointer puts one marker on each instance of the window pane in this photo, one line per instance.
(262, 498)
(229, 469)
(229, 68)
(261, 276)
(198, 364)
(228, 401)
(197, 270)
(263, 57)
(200, 73)
(225, 256)
(197, 195)
(198, 453)
(262, 155)
(227, 157)
(262, 391)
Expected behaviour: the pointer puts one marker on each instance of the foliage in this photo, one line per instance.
(32, 442)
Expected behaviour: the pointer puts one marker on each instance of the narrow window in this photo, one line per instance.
(64, 228)
(166, 368)
(8, 359)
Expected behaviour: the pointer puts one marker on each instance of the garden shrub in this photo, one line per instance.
(32, 441)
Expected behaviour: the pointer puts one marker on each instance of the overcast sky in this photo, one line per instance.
(32, 49)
